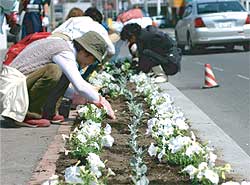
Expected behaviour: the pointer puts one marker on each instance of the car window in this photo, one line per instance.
(215, 7)
(187, 11)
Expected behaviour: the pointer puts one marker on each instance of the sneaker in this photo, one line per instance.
(161, 79)
(57, 119)
(31, 122)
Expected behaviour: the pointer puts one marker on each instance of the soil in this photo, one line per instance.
(119, 155)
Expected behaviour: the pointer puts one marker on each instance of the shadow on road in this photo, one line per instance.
(8, 123)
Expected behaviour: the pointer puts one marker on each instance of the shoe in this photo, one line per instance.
(161, 79)
(31, 122)
(57, 118)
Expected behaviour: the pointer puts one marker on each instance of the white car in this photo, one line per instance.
(213, 22)
(159, 20)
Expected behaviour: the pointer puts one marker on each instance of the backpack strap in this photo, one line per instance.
(61, 35)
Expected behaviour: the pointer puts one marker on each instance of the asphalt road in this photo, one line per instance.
(229, 104)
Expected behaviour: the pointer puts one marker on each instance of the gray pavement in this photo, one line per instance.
(21, 150)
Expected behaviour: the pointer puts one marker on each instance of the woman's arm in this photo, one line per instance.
(66, 60)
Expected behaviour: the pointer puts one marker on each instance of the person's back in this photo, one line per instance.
(151, 38)
(78, 26)
(157, 47)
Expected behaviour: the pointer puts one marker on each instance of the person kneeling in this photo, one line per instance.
(49, 65)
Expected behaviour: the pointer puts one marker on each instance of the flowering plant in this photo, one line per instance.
(91, 112)
(90, 174)
(89, 138)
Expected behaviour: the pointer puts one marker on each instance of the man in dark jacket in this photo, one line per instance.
(153, 48)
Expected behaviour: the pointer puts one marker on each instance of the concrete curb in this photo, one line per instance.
(47, 166)
(226, 148)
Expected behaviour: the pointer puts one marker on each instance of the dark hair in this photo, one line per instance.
(75, 12)
(77, 46)
(130, 30)
(94, 13)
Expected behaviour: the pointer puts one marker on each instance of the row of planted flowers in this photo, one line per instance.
(174, 141)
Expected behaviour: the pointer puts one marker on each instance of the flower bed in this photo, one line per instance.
(152, 139)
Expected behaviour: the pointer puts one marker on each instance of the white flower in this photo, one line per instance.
(211, 158)
(166, 130)
(66, 152)
(176, 144)
(202, 166)
(95, 164)
(65, 137)
(81, 138)
(107, 129)
(114, 87)
(72, 175)
(151, 123)
(152, 150)
(95, 170)
(53, 180)
(245, 183)
(191, 170)
(194, 148)
(107, 141)
(193, 136)
(94, 160)
(96, 145)
(180, 123)
(161, 154)
(212, 176)
(83, 110)
(230, 183)
(110, 172)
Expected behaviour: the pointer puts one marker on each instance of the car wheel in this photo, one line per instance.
(191, 47)
(181, 46)
(246, 47)
(229, 47)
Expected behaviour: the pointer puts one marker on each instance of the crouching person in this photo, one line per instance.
(49, 65)
(153, 48)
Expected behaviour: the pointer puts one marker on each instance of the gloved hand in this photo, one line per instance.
(106, 105)
(133, 49)
(45, 21)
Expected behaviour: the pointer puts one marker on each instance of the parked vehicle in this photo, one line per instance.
(159, 21)
(213, 22)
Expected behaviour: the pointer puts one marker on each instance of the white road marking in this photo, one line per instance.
(244, 77)
(218, 69)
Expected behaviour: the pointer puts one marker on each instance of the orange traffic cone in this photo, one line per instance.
(209, 78)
